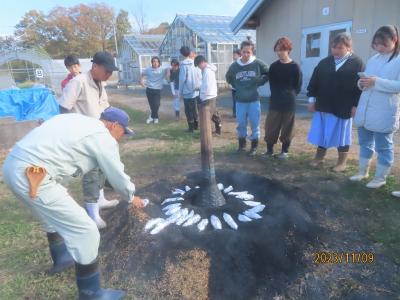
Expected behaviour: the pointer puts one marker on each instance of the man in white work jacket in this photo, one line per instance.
(86, 94)
(37, 164)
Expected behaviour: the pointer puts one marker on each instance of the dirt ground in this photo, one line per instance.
(311, 211)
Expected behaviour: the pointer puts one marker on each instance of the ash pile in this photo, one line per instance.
(253, 246)
(177, 211)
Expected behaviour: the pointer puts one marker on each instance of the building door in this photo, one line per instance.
(315, 45)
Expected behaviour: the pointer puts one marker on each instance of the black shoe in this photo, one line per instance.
(253, 150)
(242, 145)
(195, 125)
(268, 154)
(190, 127)
(285, 147)
(62, 260)
(218, 128)
(88, 282)
(270, 150)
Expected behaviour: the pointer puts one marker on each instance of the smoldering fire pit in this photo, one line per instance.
(186, 207)
(261, 257)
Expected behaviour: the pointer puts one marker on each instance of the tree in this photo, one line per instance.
(64, 38)
(94, 25)
(104, 16)
(33, 29)
(140, 18)
(123, 25)
(160, 29)
(81, 29)
(8, 43)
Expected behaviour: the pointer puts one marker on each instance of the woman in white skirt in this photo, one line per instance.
(333, 97)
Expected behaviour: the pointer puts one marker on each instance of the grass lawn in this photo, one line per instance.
(23, 246)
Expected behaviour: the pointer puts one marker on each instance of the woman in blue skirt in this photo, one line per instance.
(333, 97)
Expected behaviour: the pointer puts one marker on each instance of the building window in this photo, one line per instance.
(146, 61)
(313, 44)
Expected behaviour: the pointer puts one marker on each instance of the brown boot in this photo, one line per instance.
(341, 163)
(319, 157)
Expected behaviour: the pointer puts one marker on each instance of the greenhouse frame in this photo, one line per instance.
(135, 55)
(210, 36)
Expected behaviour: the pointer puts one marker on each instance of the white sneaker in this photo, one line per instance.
(93, 212)
(149, 120)
(155, 121)
(376, 183)
(396, 194)
(358, 177)
(104, 203)
(283, 155)
(380, 177)
(363, 170)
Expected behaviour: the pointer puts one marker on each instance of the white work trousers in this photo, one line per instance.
(57, 211)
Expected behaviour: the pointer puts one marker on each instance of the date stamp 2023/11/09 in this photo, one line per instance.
(326, 257)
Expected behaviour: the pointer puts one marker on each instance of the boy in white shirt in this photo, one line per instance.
(209, 89)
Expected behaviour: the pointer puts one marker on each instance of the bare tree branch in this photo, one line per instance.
(140, 17)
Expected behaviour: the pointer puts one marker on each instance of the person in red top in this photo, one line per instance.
(72, 64)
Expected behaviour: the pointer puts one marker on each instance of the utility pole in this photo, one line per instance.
(115, 37)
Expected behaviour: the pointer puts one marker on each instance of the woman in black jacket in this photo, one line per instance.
(333, 96)
(285, 81)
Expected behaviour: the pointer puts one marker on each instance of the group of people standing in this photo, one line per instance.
(341, 89)
(192, 80)
(82, 141)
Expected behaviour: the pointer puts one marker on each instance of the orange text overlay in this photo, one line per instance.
(323, 257)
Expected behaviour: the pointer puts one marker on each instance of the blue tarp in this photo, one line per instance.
(28, 104)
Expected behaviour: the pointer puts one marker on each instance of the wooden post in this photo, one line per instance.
(211, 195)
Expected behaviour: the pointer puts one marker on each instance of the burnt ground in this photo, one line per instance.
(271, 258)
(308, 211)
(235, 263)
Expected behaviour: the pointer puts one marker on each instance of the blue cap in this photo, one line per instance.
(114, 114)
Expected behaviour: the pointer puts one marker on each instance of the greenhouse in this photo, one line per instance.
(135, 55)
(210, 36)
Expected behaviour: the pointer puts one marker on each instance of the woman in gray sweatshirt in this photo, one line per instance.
(153, 79)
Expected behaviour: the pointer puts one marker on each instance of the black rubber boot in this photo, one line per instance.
(196, 125)
(242, 145)
(190, 127)
(254, 146)
(88, 282)
(62, 260)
